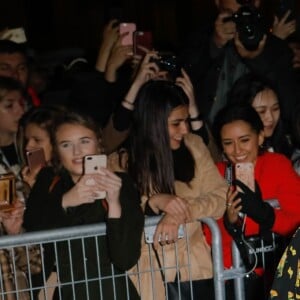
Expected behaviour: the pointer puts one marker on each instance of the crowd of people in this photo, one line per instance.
(172, 146)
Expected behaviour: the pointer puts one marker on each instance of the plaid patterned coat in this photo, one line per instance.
(14, 270)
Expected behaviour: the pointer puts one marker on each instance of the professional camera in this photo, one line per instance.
(169, 63)
(249, 24)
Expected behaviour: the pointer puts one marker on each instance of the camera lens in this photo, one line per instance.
(249, 25)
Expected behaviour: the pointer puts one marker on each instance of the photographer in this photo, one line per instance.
(235, 43)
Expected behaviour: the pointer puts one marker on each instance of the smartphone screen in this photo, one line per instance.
(244, 172)
(92, 165)
(35, 158)
(7, 191)
(129, 28)
(144, 39)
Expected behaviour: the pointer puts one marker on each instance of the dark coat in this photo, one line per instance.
(121, 245)
(203, 62)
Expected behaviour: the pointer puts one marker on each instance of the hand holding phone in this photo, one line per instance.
(93, 165)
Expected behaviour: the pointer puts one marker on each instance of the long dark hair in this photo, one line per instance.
(245, 90)
(236, 112)
(150, 156)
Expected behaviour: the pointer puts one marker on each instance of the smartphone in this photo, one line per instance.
(16, 35)
(244, 172)
(144, 39)
(7, 191)
(35, 158)
(130, 28)
(92, 165)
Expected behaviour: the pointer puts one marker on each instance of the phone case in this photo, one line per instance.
(7, 191)
(245, 173)
(92, 165)
(35, 158)
(142, 38)
(130, 28)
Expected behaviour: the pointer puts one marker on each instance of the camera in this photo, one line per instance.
(249, 25)
(169, 63)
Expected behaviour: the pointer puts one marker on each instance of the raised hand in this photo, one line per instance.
(281, 28)
(29, 176)
(82, 192)
(110, 37)
(12, 220)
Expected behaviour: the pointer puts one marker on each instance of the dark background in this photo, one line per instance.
(56, 24)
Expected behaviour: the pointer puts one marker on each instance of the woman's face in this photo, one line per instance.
(11, 111)
(74, 142)
(37, 137)
(240, 142)
(178, 125)
(267, 106)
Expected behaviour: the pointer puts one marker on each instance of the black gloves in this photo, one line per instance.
(253, 205)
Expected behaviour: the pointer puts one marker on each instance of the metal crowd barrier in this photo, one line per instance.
(42, 238)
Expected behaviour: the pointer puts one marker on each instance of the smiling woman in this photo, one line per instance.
(239, 132)
(177, 179)
(73, 201)
(263, 97)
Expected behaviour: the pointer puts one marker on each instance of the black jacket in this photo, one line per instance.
(121, 245)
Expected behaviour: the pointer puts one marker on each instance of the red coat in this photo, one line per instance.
(277, 180)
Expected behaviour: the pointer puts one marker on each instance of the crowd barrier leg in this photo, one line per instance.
(236, 272)
(217, 254)
(239, 287)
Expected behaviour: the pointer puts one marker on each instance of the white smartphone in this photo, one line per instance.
(130, 28)
(35, 158)
(16, 35)
(245, 173)
(92, 165)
